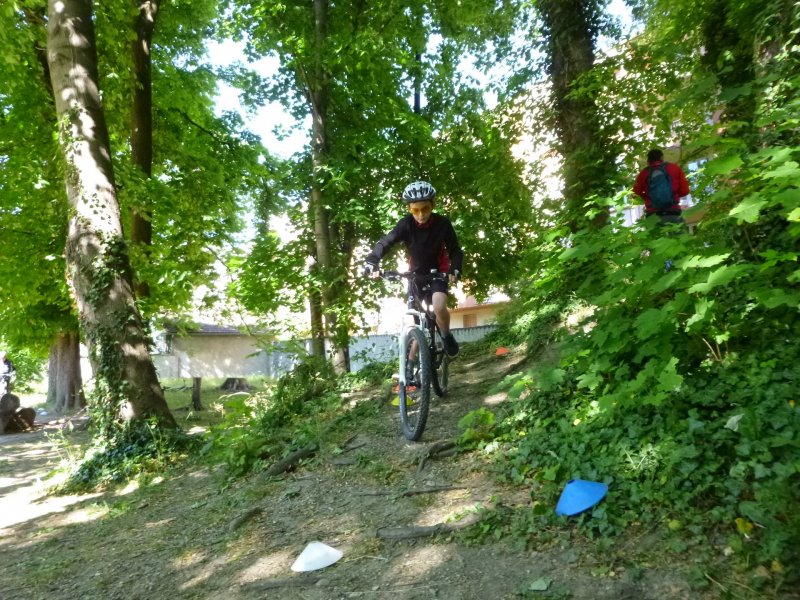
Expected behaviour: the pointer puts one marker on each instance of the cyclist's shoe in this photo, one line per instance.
(450, 345)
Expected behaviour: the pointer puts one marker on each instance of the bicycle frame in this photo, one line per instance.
(422, 315)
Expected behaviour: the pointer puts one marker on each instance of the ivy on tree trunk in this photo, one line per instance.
(97, 261)
(572, 27)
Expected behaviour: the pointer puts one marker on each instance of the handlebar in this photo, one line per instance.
(411, 275)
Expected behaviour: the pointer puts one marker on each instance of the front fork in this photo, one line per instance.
(403, 338)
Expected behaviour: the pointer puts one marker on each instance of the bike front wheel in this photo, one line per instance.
(441, 367)
(415, 396)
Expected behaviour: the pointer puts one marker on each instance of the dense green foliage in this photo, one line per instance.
(666, 361)
(677, 383)
(304, 408)
(374, 58)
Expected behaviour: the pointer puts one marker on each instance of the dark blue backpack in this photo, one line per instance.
(659, 188)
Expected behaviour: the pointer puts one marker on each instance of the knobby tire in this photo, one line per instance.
(414, 403)
(441, 367)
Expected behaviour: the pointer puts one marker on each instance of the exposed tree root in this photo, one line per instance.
(411, 532)
(290, 461)
(272, 584)
(244, 517)
(438, 450)
(428, 490)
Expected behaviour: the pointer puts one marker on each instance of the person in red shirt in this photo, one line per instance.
(680, 187)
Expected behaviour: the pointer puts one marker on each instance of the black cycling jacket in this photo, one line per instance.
(433, 245)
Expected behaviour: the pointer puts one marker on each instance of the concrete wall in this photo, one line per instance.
(237, 356)
(486, 315)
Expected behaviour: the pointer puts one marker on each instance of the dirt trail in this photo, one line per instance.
(185, 537)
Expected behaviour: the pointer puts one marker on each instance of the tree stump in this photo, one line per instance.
(14, 419)
(22, 420)
(235, 384)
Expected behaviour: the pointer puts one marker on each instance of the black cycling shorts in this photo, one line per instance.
(437, 285)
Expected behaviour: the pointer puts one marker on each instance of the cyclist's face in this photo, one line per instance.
(421, 211)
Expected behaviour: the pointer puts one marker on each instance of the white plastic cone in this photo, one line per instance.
(316, 556)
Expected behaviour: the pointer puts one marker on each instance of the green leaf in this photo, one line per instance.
(777, 297)
(747, 210)
(788, 170)
(721, 276)
(589, 380)
(724, 165)
(669, 378)
(702, 262)
(649, 322)
(701, 311)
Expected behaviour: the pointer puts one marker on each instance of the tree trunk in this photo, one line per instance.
(197, 404)
(98, 268)
(317, 325)
(142, 123)
(572, 26)
(319, 94)
(64, 380)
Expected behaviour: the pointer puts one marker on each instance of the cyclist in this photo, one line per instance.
(432, 244)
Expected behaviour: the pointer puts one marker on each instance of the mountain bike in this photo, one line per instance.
(423, 361)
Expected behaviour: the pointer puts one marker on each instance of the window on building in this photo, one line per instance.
(471, 320)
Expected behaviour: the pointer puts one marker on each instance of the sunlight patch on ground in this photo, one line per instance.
(190, 558)
(128, 489)
(495, 399)
(453, 512)
(413, 567)
(270, 565)
(29, 504)
(206, 573)
(10, 481)
(84, 515)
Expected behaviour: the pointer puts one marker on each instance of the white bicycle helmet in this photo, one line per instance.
(419, 191)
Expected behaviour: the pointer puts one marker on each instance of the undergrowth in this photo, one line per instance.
(134, 449)
(304, 408)
(678, 385)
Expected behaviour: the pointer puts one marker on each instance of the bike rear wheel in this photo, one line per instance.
(415, 396)
(441, 367)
